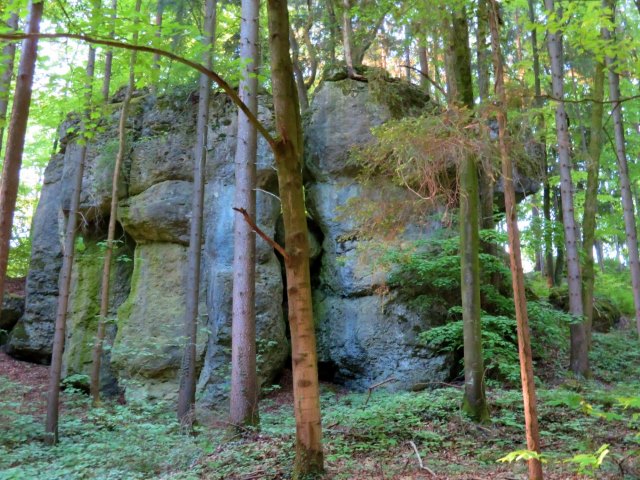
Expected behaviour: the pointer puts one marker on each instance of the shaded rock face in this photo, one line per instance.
(366, 334)
(12, 310)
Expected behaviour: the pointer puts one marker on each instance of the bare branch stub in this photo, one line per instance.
(258, 230)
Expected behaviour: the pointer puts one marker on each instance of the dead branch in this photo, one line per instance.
(428, 77)
(233, 95)
(422, 465)
(373, 387)
(265, 237)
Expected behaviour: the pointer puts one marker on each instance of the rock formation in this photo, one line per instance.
(366, 333)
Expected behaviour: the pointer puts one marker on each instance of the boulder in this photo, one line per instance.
(12, 310)
(368, 339)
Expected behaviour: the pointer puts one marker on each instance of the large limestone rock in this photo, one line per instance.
(272, 345)
(159, 214)
(84, 309)
(147, 350)
(32, 337)
(366, 334)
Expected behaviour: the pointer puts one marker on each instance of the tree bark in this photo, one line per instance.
(187, 392)
(347, 38)
(16, 137)
(244, 381)
(591, 196)
(546, 190)
(96, 353)
(475, 403)
(423, 57)
(8, 54)
(108, 60)
(482, 54)
(53, 394)
(297, 70)
(623, 171)
(288, 153)
(517, 274)
(579, 361)
(156, 58)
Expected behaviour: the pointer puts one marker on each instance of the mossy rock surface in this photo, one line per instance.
(150, 338)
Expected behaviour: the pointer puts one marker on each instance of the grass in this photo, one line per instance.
(362, 439)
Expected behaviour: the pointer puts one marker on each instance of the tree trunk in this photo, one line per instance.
(155, 80)
(297, 70)
(333, 31)
(8, 55)
(15, 138)
(517, 274)
(53, 394)
(244, 381)
(623, 171)
(600, 254)
(96, 354)
(347, 37)
(546, 190)
(483, 55)
(591, 196)
(187, 393)
(579, 362)
(108, 60)
(288, 152)
(423, 58)
(475, 403)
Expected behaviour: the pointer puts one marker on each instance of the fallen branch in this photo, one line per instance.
(422, 465)
(265, 237)
(372, 387)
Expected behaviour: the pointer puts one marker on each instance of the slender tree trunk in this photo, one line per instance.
(347, 38)
(591, 196)
(297, 70)
(8, 54)
(288, 151)
(546, 190)
(53, 395)
(482, 53)
(407, 53)
(156, 58)
(244, 381)
(475, 403)
(600, 254)
(333, 31)
(187, 393)
(16, 137)
(423, 57)
(108, 60)
(96, 353)
(579, 362)
(517, 274)
(623, 171)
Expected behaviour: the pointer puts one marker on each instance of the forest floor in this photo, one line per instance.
(381, 436)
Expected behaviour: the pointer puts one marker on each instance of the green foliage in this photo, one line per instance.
(499, 339)
(138, 441)
(588, 463)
